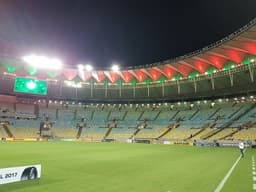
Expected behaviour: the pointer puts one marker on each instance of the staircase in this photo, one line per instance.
(109, 113)
(108, 132)
(213, 132)
(207, 125)
(135, 133)
(197, 133)
(110, 127)
(79, 132)
(157, 115)
(139, 118)
(125, 114)
(7, 130)
(226, 125)
(169, 128)
(139, 128)
(212, 115)
(194, 114)
(246, 125)
(231, 134)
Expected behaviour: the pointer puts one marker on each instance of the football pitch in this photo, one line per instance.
(111, 167)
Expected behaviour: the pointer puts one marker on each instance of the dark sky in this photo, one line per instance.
(124, 31)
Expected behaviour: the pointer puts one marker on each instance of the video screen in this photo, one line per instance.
(30, 86)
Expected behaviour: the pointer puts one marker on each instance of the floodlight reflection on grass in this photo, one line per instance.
(43, 62)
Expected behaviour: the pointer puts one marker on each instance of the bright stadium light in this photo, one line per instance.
(42, 62)
(88, 67)
(73, 84)
(80, 67)
(115, 68)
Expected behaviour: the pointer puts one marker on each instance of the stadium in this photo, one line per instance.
(170, 126)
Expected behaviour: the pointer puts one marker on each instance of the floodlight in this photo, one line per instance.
(88, 67)
(115, 68)
(252, 60)
(80, 67)
(43, 62)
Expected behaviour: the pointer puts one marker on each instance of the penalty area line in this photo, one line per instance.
(223, 181)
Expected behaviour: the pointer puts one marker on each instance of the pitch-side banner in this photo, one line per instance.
(16, 174)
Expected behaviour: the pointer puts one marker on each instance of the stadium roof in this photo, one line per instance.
(237, 49)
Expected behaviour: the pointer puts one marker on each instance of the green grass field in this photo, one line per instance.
(110, 167)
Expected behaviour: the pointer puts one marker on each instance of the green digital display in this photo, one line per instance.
(30, 85)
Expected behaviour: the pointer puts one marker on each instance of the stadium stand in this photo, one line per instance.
(230, 120)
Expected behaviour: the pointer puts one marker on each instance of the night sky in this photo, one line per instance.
(127, 32)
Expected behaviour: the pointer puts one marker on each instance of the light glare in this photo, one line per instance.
(43, 62)
(31, 85)
(88, 67)
(80, 67)
(115, 68)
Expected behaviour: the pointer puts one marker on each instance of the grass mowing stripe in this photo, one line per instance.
(223, 181)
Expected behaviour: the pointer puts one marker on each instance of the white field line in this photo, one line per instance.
(223, 181)
(253, 174)
(254, 186)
